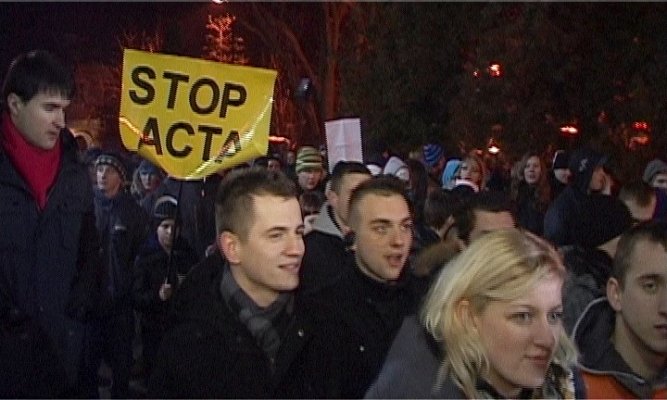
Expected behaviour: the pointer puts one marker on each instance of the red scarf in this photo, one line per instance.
(37, 166)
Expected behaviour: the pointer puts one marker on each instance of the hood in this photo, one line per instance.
(325, 223)
(582, 164)
(592, 336)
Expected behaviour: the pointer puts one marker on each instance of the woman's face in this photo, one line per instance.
(470, 171)
(520, 336)
(533, 170)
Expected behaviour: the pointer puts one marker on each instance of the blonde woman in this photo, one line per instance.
(473, 170)
(496, 311)
(490, 328)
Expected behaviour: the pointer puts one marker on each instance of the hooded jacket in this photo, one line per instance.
(326, 252)
(588, 272)
(563, 218)
(605, 373)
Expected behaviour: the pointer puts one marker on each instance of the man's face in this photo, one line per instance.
(41, 119)
(563, 175)
(109, 180)
(270, 257)
(165, 233)
(340, 201)
(488, 221)
(383, 228)
(660, 181)
(309, 178)
(641, 304)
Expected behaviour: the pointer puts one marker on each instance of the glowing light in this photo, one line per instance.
(476, 73)
(495, 70)
(494, 149)
(569, 130)
(641, 126)
(279, 139)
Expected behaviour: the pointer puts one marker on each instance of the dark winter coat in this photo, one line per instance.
(604, 371)
(326, 251)
(151, 272)
(48, 266)
(123, 228)
(357, 320)
(209, 353)
(588, 272)
(411, 367)
(528, 210)
(562, 219)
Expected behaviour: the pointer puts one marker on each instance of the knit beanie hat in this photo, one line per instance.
(605, 218)
(451, 168)
(432, 154)
(165, 208)
(114, 161)
(654, 168)
(560, 160)
(308, 157)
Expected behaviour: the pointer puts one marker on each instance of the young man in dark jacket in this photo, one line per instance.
(49, 245)
(325, 244)
(237, 332)
(122, 226)
(623, 337)
(359, 315)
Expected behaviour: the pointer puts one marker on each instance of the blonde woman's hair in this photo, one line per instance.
(500, 266)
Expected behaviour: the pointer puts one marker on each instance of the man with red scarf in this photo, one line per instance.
(48, 244)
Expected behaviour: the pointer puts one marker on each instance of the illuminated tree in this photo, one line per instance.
(221, 42)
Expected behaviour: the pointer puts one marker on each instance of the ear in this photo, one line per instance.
(332, 198)
(14, 103)
(465, 315)
(230, 246)
(614, 294)
(349, 239)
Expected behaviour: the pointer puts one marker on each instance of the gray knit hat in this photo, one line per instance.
(654, 168)
(114, 161)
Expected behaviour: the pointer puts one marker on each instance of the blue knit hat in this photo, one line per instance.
(432, 154)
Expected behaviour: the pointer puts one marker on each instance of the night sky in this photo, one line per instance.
(85, 32)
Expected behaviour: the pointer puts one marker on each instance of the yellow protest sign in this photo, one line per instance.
(194, 117)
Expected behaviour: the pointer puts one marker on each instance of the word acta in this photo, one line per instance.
(232, 95)
(151, 137)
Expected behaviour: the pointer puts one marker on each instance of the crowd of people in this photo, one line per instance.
(419, 277)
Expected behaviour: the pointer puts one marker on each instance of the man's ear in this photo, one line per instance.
(614, 294)
(348, 240)
(14, 103)
(229, 245)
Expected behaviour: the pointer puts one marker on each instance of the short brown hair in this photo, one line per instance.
(381, 186)
(653, 231)
(236, 192)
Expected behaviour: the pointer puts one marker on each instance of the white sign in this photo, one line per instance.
(343, 141)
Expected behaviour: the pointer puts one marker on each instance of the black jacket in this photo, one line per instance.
(48, 268)
(151, 272)
(326, 253)
(588, 272)
(209, 353)
(357, 320)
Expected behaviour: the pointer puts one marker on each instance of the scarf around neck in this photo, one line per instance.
(38, 167)
(265, 324)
